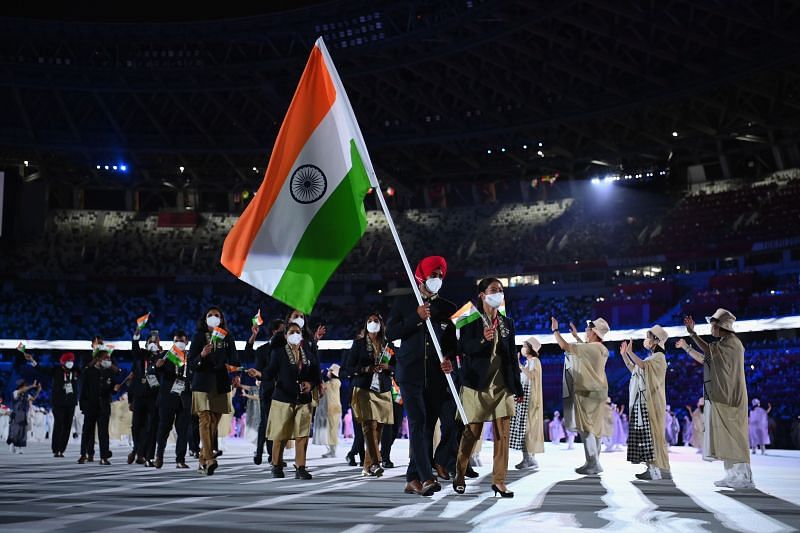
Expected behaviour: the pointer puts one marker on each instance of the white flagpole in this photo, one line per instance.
(415, 288)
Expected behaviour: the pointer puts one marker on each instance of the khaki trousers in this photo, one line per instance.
(372, 438)
(209, 422)
(501, 428)
(301, 446)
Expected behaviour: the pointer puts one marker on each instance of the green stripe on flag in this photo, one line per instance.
(467, 320)
(332, 233)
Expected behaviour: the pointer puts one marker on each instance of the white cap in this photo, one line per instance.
(535, 344)
(601, 327)
(661, 335)
(724, 318)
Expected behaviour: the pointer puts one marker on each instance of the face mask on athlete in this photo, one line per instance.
(494, 300)
(300, 321)
(648, 344)
(69, 365)
(213, 321)
(373, 327)
(105, 363)
(180, 345)
(153, 347)
(294, 338)
(433, 284)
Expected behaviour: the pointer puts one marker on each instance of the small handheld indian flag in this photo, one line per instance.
(469, 313)
(141, 322)
(309, 210)
(21, 347)
(218, 335)
(257, 320)
(176, 356)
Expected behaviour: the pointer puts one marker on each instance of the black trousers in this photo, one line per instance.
(145, 426)
(447, 450)
(62, 427)
(174, 410)
(265, 404)
(358, 441)
(98, 418)
(194, 434)
(424, 406)
(390, 432)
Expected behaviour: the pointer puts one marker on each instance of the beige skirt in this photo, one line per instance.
(483, 406)
(211, 401)
(370, 405)
(288, 421)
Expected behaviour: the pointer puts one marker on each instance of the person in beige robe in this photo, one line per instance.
(653, 372)
(334, 397)
(725, 412)
(588, 389)
(531, 429)
(698, 426)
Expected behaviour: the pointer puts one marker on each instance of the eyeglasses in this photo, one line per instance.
(590, 324)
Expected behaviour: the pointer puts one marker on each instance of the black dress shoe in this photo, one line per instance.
(149, 464)
(257, 458)
(181, 464)
(105, 462)
(301, 473)
(388, 464)
(503, 494)
(82, 460)
(159, 462)
(351, 459)
(471, 473)
(212, 468)
(217, 453)
(131, 457)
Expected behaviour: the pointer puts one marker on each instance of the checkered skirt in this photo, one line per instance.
(519, 423)
(640, 439)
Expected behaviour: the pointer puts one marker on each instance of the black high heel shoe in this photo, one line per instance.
(459, 486)
(503, 494)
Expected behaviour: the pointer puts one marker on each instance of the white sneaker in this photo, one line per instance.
(721, 483)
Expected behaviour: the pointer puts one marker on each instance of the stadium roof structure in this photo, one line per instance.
(444, 91)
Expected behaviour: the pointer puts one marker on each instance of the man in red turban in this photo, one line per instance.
(421, 376)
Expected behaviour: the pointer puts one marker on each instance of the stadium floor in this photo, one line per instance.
(44, 494)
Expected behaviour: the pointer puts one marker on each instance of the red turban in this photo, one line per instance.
(69, 356)
(428, 265)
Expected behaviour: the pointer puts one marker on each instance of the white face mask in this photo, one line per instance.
(212, 321)
(153, 347)
(105, 363)
(300, 321)
(373, 327)
(69, 365)
(648, 344)
(294, 338)
(180, 345)
(494, 300)
(433, 284)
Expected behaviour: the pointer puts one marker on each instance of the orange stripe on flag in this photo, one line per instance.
(311, 102)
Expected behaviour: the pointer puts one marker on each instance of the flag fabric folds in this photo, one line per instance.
(308, 212)
(176, 356)
(141, 322)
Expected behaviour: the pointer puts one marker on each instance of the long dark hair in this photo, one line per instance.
(202, 327)
(381, 334)
(485, 282)
(305, 330)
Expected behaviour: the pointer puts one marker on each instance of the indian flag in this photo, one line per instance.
(257, 320)
(141, 322)
(176, 356)
(218, 335)
(21, 347)
(308, 212)
(469, 313)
